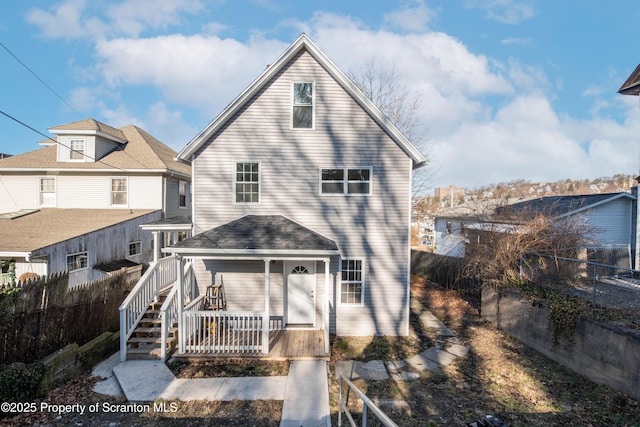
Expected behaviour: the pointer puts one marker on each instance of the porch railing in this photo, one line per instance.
(221, 332)
(170, 310)
(367, 406)
(132, 309)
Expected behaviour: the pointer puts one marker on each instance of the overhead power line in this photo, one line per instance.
(9, 116)
(39, 79)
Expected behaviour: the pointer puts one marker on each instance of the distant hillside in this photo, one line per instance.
(523, 189)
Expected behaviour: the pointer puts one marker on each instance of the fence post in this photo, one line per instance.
(595, 281)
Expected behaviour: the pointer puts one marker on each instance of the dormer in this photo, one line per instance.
(86, 141)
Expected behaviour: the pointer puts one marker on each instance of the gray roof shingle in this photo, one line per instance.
(259, 233)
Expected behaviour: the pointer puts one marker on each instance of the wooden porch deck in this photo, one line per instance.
(292, 344)
(296, 344)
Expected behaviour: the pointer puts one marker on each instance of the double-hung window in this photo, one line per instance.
(118, 191)
(77, 261)
(247, 182)
(183, 190)
(352, 281)
(47, 191)
(345, 180)
(77, 148)
(303, 104)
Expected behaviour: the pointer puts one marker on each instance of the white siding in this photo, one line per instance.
(145, 192)
(83, 191)
(18, 192)
(374, 228)
(172, 199)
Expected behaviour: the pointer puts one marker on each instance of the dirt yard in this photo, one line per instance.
(500, 377)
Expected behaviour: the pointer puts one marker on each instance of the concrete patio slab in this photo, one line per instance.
(143, 380)
(110, 385)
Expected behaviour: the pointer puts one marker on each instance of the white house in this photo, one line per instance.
(79, 201)
(302, 206)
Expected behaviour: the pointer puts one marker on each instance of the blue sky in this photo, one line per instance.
(509, 89)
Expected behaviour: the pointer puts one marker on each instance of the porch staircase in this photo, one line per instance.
(146, 340)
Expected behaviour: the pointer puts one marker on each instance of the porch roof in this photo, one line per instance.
(175, 223)
(257, 236)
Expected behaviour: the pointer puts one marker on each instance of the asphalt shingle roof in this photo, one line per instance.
(259, 232)
(46, 227)
(556, 205)
(141, 152)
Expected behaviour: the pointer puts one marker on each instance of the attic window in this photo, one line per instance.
(76, 146)
(302, 113)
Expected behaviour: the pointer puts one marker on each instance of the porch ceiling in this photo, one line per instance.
(257, 235)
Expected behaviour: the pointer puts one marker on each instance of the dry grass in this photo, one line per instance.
(500, 377)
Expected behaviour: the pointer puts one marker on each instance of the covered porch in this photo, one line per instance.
(276, 275)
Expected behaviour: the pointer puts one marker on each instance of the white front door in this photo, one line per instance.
(301, 287)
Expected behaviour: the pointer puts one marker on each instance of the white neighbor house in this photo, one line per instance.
(79, 201)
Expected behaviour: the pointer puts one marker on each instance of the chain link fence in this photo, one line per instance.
(601, 274)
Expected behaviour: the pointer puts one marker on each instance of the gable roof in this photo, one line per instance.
(561, 206)
(257, 234)
(631, 86)
(140, 152)
(304, 43)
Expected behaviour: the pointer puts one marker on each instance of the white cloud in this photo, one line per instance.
(70, 19)
(197, 71)
(506, 11)
(414, 16)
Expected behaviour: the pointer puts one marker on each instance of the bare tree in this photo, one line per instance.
(496, 248)
(382, 84)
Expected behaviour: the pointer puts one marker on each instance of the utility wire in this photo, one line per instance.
(39, 79)
(56, 141)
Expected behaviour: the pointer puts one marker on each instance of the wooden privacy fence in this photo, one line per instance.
(442, 269)
(41, 316)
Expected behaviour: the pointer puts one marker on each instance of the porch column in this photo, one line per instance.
(156, 245)
(325, 306)
(267, 315)
(180, 291)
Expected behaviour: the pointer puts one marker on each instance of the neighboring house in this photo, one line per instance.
(79, 201)
(609, 218)
(302, 202)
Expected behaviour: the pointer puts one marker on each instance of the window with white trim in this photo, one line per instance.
(47, 188)
(119, 191)
(77, 148)
(183, 190)
(352, 281)
(302, 114)
(345, 181)
(135, 248)
(77, 261)
(247, 182)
